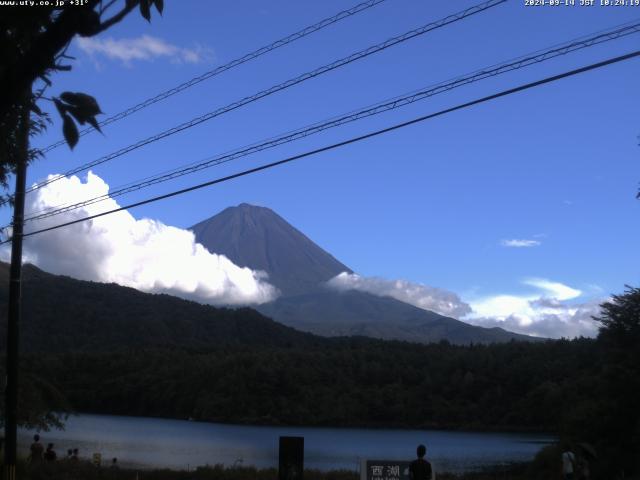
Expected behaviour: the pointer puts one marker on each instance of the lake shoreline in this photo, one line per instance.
(386, 426)
(178, 444)
(85, 470)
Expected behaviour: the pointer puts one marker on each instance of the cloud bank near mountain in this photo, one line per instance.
(153, 257)
(422, 296)
(144, 254)
(551, 310)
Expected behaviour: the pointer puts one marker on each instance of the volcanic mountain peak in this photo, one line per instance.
(258, 238)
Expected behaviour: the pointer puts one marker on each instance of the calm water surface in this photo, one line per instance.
(178, 444)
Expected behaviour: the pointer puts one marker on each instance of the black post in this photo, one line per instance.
(291, 458)
(13, 319)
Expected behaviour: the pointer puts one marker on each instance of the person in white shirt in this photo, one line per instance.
(568, 464)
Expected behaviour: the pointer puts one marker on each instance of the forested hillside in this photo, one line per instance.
(112, 350)
(61, 314)
(344, 382)
(259, 238)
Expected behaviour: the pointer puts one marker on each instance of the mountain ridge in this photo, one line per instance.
(355, 313)
(63, 314)
(258, 238)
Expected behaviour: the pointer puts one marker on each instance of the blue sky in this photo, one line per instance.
(435, 203)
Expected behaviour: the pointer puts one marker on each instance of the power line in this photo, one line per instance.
(397, 102)
(376, 133)
(282, 86)
(228, 66)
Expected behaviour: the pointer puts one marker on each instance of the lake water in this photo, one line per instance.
(178, 444)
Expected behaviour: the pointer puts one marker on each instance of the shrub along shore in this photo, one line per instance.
(88, 471)
(546, 466)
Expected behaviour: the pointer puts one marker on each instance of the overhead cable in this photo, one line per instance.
(352, 140)
(227, 66)
(281, 86)
(391, 104)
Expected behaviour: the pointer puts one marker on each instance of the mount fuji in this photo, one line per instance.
(258, 238)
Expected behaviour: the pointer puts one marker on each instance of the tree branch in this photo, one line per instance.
(117, 17)
(106, 7)
(41, 56)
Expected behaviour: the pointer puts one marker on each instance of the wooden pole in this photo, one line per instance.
(15, 287)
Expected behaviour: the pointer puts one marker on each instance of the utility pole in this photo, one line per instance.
(15, 278)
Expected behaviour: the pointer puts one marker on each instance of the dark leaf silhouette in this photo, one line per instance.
(86, 103)
(62, 109)
(70, 131)
(36, 109)
(94, 123)
(159, 6)
(145, 9)
(77, 114)
(90, 24)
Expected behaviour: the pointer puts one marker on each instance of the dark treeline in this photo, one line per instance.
(106, 349)
(62, 314)
(585, 390)
(347, 382)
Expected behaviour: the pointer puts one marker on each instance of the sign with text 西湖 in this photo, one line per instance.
(385, 470)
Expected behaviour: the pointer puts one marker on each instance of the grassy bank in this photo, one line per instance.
(87, 471)
(63, 470)
(545, 466)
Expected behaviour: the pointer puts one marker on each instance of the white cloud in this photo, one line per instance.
(145, 48)
(568, 322)
(421, 296)
(555, 290)
(546, 312)
(550, 310)
(144, 254)
(151, 256)
(520, 243)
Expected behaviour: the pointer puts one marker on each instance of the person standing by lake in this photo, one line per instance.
(420, 469)
(50, 454)
(568, 463)
(36, 449)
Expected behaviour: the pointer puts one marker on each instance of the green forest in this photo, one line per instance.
(347, 382)
(583, 389)
(129, 353)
